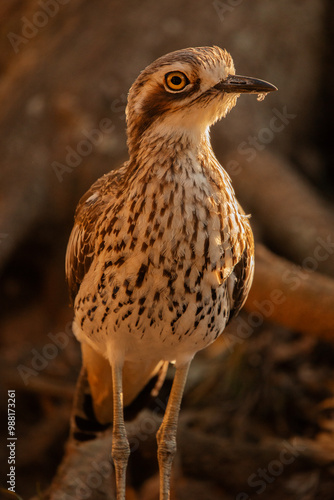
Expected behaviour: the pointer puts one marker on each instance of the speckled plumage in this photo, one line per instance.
(161, 255)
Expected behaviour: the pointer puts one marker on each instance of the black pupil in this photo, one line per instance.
(176, 80)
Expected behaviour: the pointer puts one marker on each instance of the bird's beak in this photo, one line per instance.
(244, 85)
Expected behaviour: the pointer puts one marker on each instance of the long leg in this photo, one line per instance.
(120, 445)
(166, 435)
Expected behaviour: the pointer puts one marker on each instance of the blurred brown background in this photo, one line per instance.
(66, 66)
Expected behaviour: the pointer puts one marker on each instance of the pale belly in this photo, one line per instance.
(154, 320)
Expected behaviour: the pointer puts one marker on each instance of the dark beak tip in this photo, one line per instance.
(269, 87)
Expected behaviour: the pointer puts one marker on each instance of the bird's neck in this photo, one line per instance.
(143, 135)
(177, 159)
(161, 148)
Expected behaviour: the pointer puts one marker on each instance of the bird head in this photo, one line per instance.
(183, 93)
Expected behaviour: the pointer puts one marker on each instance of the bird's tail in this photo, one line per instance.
(84, 424)
(93, 402)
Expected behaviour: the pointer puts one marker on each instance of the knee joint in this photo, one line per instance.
(120, 448)
(166, 448)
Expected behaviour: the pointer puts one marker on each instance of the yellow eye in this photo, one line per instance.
(176, 80)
